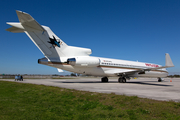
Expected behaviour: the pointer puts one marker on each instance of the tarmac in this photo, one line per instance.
(150, 88)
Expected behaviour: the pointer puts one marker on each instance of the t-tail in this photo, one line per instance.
(42, 36)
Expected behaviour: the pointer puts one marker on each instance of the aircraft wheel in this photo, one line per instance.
(159, 80)
(104, 79)
(123, 80)
(120, 80)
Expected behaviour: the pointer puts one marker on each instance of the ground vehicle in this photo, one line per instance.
(18, 77)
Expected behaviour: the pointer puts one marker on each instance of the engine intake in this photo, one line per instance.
(71, 61)
(84, 61)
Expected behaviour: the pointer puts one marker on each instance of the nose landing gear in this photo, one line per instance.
(159, 79)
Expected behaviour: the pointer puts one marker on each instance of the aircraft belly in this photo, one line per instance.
(96, 71)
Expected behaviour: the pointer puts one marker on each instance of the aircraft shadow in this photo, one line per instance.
(142, 83)
(145, 83)
(83, 82)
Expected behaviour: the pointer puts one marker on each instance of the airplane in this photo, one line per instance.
(78, 60)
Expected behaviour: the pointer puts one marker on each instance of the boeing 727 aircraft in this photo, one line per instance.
(78, 60)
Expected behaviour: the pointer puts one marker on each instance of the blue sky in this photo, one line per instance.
(142, 30)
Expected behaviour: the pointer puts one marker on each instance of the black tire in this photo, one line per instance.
(123, 80)
(159, 80)
(104, 79)
(120, 80)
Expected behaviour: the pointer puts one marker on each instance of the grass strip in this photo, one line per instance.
(28, 101)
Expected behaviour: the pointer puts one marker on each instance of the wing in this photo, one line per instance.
(60, 70)
(121, 72)
(169, 63)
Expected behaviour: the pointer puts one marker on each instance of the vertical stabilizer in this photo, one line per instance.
(43, 37)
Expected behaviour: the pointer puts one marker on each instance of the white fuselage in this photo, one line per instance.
(98, 66)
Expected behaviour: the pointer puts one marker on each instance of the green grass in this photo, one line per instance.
(28, 101)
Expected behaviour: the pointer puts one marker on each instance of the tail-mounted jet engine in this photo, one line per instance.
(84, 61)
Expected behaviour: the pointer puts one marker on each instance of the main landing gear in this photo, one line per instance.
(104, 79)
(122, 80)
(159, 79)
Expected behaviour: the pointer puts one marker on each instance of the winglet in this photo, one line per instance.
(60, 70)
(169, 62)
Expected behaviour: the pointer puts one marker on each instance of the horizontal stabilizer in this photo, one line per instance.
(15, 30)
(17, 27)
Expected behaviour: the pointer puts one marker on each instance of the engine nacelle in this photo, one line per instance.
(84, 61)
